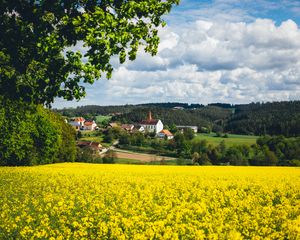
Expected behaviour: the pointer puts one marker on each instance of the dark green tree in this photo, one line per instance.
(138, 138)
(108, 136)
(33, 135)
(271, 158)
(204, 159)
(234, 156)
(199, 146)
(188, 134)
(85, 154)
(37, 62)
(179, 142)
(124, 139)
(109, 157)
(173, 128)
(78, 135)
(214, 155)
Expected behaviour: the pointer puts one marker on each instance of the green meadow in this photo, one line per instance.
(231, 140)
(103, 119)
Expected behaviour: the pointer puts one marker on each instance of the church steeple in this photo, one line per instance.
(149, 116)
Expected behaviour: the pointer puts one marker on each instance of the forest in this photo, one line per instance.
(268, 118)
(274, 118)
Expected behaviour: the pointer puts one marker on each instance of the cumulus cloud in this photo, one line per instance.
(208, 61)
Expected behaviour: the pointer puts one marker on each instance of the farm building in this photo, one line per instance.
(127, 127)
(194, 128)
(77, 123)
(165, 134)
(95, 146)
(90, 125)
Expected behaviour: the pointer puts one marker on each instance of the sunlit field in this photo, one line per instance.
(233, 139)
(85, 201)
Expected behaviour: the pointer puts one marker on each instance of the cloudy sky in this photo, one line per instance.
(231, 51)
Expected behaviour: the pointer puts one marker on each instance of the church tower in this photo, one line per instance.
(149, 116)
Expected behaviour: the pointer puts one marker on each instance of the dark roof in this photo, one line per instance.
(127, 126)
(150, 122)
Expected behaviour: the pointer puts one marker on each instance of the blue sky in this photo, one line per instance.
(212, 51)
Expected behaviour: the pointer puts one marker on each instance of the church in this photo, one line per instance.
(152, 125)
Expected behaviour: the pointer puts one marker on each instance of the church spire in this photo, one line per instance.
(149, 116)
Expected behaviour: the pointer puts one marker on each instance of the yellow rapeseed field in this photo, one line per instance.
(86, 201)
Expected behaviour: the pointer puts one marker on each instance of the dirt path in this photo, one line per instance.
(142, 157)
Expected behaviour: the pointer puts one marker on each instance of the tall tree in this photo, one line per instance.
(36, 61)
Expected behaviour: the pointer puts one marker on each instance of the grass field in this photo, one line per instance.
(232, 139)
(102, 118)
(91, 136)
(89, 201)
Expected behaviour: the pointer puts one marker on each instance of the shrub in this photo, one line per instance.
(32, 135)
(109, 157)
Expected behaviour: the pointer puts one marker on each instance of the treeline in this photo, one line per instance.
(33, 135)
(207, 117)
(268, 151)
(277, 118)
(94, 110)
(106, 110)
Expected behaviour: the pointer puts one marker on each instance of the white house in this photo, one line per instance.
(77, 123)
(165, 134)
(194, 128)
(90, 125)
(152, 125)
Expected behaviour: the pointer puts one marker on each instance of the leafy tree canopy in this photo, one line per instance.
(35, 63)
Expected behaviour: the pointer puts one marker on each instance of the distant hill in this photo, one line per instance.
(201, 117)
(277, 118)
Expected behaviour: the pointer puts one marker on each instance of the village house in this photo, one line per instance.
(95, 146)
(77, 123)
(139, 128)
(178, 108)
(152, 125)
(127, 127)
(165, 134)
(90, 125)
(181, 128)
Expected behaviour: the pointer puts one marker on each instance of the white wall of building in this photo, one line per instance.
(159, 126)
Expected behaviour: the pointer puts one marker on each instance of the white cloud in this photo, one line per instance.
(211, 61)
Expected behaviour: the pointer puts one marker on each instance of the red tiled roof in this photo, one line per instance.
(79, 119)
(166, 132)
(88, 123)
